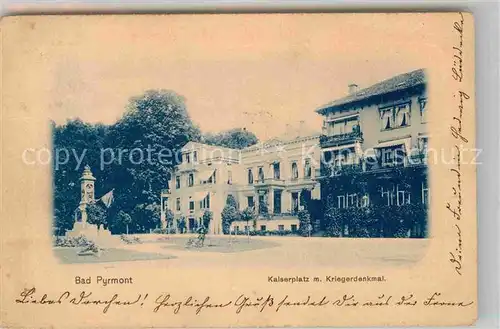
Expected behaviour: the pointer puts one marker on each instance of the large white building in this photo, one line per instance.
(268, 176)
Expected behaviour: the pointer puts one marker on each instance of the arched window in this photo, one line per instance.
(295, 171)
(261, 174)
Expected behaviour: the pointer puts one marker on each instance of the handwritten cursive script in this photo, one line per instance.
(455, 205)
(457, 67)
(239, 304)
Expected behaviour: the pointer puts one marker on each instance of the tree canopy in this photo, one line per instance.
(133, 156)
(237, 138)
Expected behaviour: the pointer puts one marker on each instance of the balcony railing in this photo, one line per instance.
(269, 181)
(346, 169)
(336, 140)
(165, 191)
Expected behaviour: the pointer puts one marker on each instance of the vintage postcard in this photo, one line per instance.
(238, 170)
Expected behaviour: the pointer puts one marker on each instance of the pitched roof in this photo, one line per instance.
(399, 82)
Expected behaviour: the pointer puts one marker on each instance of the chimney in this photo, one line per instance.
(353, 88)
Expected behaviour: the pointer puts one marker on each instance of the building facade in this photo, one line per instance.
(268, 178)
(378, 137)
(375, 131)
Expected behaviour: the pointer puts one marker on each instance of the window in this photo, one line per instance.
(250, 202)
(327, 157)
(295, 202)
(402, 197)
(188, 158)
(423, 147)
(237, 229)
(307, 168)
(190, 180)
(250, 176)
(191, 206)
(294, 228)
(178, 204)
(276, 169)
(261, 174)
(395, 116)
(392, 156)
(263, 227)
(205, 203)
(212, 179)
(365, 201)
(341, 201)
(403, 115)
(195, 156)
(387, 195)
(425, 193)
(277, 202)
(344, 126)
(423, 110)
(229, 177)
(281, 228)
(262, 204)
(387, 117)
(246, 229)
(295, 171)
(165, 203)
(177, 182)
(352, 200)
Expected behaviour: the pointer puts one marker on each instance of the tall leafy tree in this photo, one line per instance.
(97, 215)
(74, 145)
(229, 214)
(134, 156)
(149, 136)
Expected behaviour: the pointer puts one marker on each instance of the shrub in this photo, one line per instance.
(130, 240)
(72, 242)
(376, 221)
(305, 227)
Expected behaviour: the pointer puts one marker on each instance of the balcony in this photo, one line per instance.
(346, 169)
(165, 192)
(342, 139)
(269, 182)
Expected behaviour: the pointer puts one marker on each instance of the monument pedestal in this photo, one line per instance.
(99, 236)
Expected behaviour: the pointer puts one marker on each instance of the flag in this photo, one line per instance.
(107, 198)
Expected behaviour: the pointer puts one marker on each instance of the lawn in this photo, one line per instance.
(220, 244)
(70, 256)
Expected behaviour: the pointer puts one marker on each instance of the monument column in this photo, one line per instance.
(87, 192)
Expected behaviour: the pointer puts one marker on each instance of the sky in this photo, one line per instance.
(261, 72)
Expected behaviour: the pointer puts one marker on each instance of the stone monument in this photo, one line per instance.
(99, 235)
